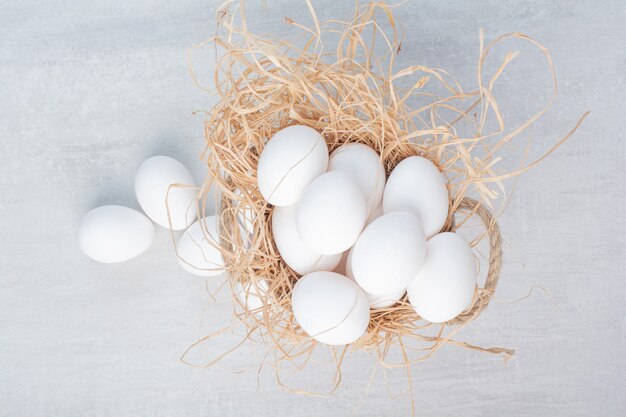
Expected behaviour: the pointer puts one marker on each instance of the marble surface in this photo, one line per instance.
(90, 89)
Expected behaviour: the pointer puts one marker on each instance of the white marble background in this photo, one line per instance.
(88, 89)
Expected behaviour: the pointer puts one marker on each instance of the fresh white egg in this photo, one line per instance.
(365, 167)
(445, 284)
(292, 248)
(389, 253)
(198, 248)
(154, 184)
(375, 301)
(382, 301)
(416, 185)
(331, 213)
(114, 233)
(330, 307)
(291, 159)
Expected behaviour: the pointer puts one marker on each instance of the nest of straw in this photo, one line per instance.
(349, 89)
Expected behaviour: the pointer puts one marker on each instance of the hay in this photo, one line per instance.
(353, 93)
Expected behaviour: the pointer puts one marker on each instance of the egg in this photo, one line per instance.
(114, 233)
(375, 301)
(152, 182)
(389, 253)
(416, 185)
(331, 213)
(365, 167)
(292, 249)
(330, 307)
(290, 160)
(445, 285)
(198, 251)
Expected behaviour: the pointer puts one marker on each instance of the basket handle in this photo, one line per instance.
(484, 294)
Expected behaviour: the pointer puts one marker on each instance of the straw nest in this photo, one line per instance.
(340, 78)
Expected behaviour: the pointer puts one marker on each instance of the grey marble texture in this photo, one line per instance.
(89, 89)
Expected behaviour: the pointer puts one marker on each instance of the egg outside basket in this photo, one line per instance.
(348, 88)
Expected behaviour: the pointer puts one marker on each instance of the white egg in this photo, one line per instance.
(389, 253)
(416, 185)
(445, 284)
(198, 251)
(114, 233)
(154, 178)
(375, 301)
(292, 249)
(291, 159)
(252, 296)
(365, 167)
(330, 307)
(331, 213)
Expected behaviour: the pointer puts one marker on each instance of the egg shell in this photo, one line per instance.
(331, 213)
(290, 160)
(416, 185)
(292, 248)
(114, 233)
(152, 182)
(389, 253)
(365, 167)
(198, 251)
(375, 301)
(330, 307)
(445, 285)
